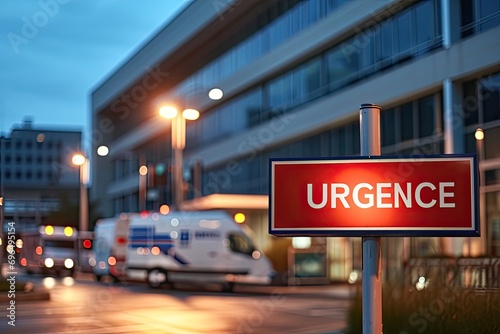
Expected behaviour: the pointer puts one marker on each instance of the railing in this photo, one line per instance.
(463, 272)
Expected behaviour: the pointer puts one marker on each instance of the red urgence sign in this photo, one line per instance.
(375, 196)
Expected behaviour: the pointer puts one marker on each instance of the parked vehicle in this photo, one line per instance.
(109, 247)
(49, 250)
(196, 247)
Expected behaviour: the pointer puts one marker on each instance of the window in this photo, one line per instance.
(406, 125)
(490, 97)
(425, 24)
(479, 15)
(485, 107)
(404, 33)
(342, 64)
(470, 110)
(489, 11)
(385, 43)
(426, 123)
(388, 127)
(240, 244)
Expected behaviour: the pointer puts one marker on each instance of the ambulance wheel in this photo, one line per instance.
(157, 277)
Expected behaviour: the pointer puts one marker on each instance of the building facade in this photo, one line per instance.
(294, 74)
(36, 174)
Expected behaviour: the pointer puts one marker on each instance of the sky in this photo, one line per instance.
(54, 52)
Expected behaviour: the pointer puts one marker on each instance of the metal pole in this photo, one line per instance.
(3, 243)
(178, 143)
(369, 117)
(142, 183)
(84, 204)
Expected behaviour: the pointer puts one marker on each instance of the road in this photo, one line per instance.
(85, 306)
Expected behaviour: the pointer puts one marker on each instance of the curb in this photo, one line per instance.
(26, 296)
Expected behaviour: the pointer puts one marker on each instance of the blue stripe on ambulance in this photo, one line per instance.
(146, 237)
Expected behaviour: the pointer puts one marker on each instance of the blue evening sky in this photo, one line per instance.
(54, 52)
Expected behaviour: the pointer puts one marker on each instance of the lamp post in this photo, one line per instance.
(479, 135)
(143, 172)
(178, 129)
(81, 161)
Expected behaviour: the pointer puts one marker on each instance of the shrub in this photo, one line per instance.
(433, 309)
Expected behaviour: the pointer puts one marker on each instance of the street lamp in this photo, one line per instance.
(178, 129)
(479, 135)
(81, 161)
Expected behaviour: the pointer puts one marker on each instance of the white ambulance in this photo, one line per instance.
(109, 247)
(195, 247)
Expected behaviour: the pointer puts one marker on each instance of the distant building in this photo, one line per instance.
(36, 174)
(294, 74)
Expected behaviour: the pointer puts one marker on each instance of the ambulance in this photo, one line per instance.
(195, 247)
(109, 247)
(49, 250)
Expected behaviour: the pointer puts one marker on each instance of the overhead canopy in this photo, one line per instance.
(227, 201)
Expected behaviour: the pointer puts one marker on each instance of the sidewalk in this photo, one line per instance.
(30, 292)
(339, 291)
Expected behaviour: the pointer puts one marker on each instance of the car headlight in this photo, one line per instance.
(49, 263)
(68, 263)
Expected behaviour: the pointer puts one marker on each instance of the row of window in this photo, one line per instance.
(28, 159)
(413, 127)
(409, 33)
(30, 175)
(18, 206)
(416, 126)
(284, 19)
(20, 144)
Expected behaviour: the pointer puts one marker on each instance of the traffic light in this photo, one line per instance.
(157, 175)
(87, 243)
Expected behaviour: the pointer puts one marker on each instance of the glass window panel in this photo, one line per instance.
(356, 145)
(386, 40)
(210, 126)
(469, 103)
(338, 143)
(490, 95)
(489, 10)
(490, 141)
(470, 143)
(467, 16)
(366, 47)
(342, 64)
(426, 119)
(388, 127)
(491, 177)
(406, 126)
(404, 31)
(312, 147)
(306, 81)
(425, 23)
(226, 120)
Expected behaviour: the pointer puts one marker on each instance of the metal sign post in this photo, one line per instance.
(369, 118)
